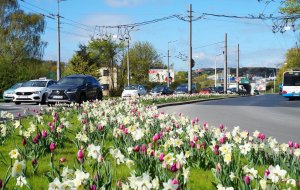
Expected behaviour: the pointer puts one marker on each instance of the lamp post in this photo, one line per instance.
(216, 69)
(168, 79)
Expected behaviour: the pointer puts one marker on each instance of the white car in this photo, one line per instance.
(134, 91)
(33, 91)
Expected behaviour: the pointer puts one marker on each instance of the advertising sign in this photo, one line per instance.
(260, 85)
(160, 75)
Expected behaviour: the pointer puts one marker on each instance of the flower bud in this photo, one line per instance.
(222, 140)
(44, 134)
(175, 181)
(247, 180)
(100, 158)
(266, 173)
(296, 145)
(196, 138)
(136, 148)
(24, 142)
(62, 159)
(161, 157)
(192, 144)
(125, 131)
(299, 183)
(144, 148)
(34, 162)
(80, 155)
(173, 168)
(100, 128)
(221, 127)
(119, 184)
(93, 187)
(52, 146)
(155, 137)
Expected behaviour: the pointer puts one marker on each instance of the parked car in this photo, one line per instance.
(205, 91)
(75, 88)
(33, 91)
(161, 90)
(8, 95)
(231, 91)
(183, 89)
(220, 89)
(134, 91)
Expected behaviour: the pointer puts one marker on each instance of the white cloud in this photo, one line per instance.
(123, 3)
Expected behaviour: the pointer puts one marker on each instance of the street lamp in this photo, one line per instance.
(168, 80)
(216, 69)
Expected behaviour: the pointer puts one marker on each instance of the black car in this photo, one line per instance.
(161, 90)
(183, 89)
(74, 88)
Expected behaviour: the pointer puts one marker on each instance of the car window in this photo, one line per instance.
(131, 87)
(71, 81)
(94, 81)
(35, 84)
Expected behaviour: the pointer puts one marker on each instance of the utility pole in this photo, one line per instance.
(238, 67)
(168, 80)
(128, 68)
(225, 65)
(190, 50)
(58, 43)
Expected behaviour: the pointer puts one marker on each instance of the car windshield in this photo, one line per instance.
(182, 88)
(71, 81)
(131, 87)
(158, 88)
(34, 84)
(15, 86)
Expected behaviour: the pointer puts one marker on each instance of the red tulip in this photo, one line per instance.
(247, 180)
(136, 148)
(24, 142)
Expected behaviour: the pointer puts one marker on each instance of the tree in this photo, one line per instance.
(97, 53)
(20, 33)
(292, 61)
(142, 57)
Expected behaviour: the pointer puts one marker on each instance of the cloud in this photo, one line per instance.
(123, 3)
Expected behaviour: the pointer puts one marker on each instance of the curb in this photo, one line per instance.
(191, 102)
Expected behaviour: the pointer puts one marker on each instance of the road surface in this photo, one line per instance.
(271, 114)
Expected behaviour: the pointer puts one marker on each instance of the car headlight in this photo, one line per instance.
(37, 92)
(71, 91)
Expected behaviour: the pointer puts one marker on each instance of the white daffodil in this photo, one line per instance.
(155, 183)
(21, 180)
(18, 168)
(93, 151)
(276, 174)
(263, 184)
(14, 153)
(67, 173)
(185, 173)
(55, 185)
(170, 186)
(145, 182)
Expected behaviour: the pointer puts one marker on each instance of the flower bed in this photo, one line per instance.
(125, 145)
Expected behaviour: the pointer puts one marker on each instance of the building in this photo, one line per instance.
(107, 80)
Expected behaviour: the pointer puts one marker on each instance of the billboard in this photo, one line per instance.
(160, 75)
(260, 84)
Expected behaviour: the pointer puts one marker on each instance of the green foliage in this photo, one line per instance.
(291, 7)
(292, 61)
(142, 57)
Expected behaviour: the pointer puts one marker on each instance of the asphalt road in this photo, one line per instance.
(30, 108)
(271, 114)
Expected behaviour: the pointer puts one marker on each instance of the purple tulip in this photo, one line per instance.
(24, 142)
(136, 148)
(35, 140)
(192, 144)
(1, 183)
(221, 127)
(173, 168)
(93, 187)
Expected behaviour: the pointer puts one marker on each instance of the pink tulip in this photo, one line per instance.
(296, 145)
(161, 157)
(125, 131)
(62, 159)
(52, 128)
(221, 127)
(247, 180)
(291, 144)
(267, 172)
(196, 138)
(93, 187)
(198, 146)
(1, 184)
(49, 124)
(119, 184)
(100, 128)
(197, 119)
(178, 165)
(216, 150)
(80, 155)
(299, 183)
(175, 181)
(122, 127)
(144, 148)
(261, 136)
(222, 140)
(136, 148)
(192, 144)
(44, 134)
(155, 137)
(52, 146)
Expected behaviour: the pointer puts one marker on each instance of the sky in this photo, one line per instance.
(259, 46)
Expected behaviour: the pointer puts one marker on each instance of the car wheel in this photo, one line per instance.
(17, 103)
(6, 101)
(43, 100)
(291, 99)
(99, 96)
(82, 98)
